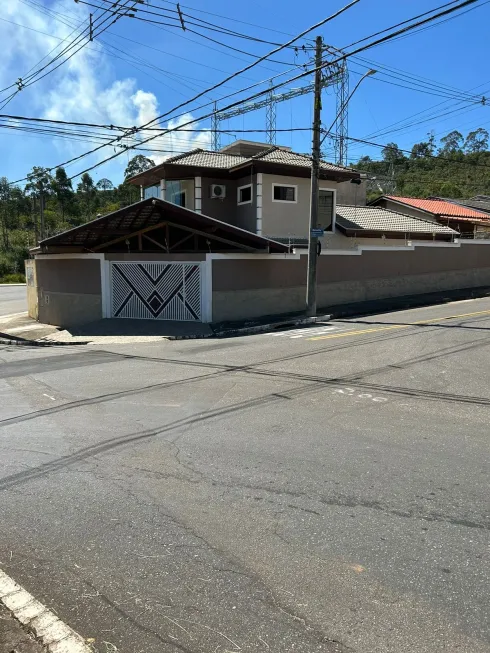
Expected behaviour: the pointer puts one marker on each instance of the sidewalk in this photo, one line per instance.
(13, 637)
(21, 329)
(19, 326)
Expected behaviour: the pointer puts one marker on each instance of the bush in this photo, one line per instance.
(13, 278)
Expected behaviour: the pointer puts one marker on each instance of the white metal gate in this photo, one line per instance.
(156, 291)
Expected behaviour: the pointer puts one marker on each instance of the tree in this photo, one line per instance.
(86, 188)
(391, 153)
(39, 187)
(5, 196)
(39, 182)
(431, 142)
(420, 150)
(138, 164)
(105, 184)
(63, 190)
(451, 143)
(476, 141)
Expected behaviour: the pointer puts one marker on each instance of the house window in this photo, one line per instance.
(326, 207)
(175, 193)
(283, 193)
(244, 194)
(151, 191)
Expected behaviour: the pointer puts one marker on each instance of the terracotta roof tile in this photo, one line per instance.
(440, 207)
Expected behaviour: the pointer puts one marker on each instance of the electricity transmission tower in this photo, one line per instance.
(342, 112)
(269, 103)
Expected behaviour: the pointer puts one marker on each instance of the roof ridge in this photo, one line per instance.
(183, 154)
(267, 150)
(221, 153)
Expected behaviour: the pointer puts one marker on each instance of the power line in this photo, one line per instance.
(376, 42)
(428, 156)
(112, 127)
(248, 67)
(33, 77)
(341, 58)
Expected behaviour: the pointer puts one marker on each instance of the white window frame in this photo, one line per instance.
(295, 201)
(238, 194)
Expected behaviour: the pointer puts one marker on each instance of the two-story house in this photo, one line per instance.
(261, 188)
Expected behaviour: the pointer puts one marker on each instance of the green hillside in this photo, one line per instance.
(458, 168)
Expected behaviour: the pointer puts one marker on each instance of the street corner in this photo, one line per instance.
(20, 327)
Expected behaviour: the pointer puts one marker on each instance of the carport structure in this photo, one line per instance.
(150, 260)
(155, 225)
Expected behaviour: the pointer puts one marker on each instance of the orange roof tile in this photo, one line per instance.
(440, 207)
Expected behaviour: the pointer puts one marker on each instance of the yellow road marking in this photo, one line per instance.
(397, 326)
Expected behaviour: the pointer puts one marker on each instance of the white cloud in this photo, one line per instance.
(83, 89)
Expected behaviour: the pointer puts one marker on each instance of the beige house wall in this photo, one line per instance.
(227, 209)
(31, 286)
(251, 288)
(68, 290)
(283, 219)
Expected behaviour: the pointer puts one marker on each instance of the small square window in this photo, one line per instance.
(245, 194)
(284, 193)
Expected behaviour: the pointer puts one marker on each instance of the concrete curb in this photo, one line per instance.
(39, 343)
(258, 328)
(48, 629)
(7, 285)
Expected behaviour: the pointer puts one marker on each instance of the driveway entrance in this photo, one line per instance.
(156, 291)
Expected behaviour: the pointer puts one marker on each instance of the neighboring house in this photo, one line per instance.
(469, 222)
(373, 225)
(479, 202)
(261, 188)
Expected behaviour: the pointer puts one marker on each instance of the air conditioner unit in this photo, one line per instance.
(217, 191)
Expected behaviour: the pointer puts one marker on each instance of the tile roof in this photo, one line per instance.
(286, 157)
(207, 159)
(480, 203)
(440, 207)
(210, 159)
(375, 218)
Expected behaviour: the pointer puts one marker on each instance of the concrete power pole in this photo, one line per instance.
(41, 208)
(315, 175)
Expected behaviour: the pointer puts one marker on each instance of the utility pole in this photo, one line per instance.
(315, 175)
(41, 207)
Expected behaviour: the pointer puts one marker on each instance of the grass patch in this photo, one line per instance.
(16, 277)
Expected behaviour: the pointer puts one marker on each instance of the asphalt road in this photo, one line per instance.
(315, 490)
(12, 299)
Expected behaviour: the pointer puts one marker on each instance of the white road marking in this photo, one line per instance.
(350, 392)
(305, 332)
(54, 634)
(49, 396)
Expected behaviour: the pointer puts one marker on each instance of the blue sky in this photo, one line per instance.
(136, 70)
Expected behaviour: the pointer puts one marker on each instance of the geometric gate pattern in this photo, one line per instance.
(156, 291)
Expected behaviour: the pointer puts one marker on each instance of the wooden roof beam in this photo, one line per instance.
(129, 235)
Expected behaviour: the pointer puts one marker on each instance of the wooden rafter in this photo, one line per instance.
(182, 240)
(212, 236)
(128, 236)
(155, 242)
